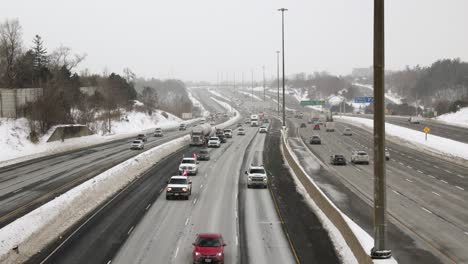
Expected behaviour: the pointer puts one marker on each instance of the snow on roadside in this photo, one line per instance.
(394, 98)
(434, 143)
(250, 95)
(198, 104)
(44, 224)
(219, 95)
(39, 227)
(15, 133)
(344, 252)
(459, 118)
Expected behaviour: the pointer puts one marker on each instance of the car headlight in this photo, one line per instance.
(197, 253)
(219, 254)
(264, 179)
(169, 189)
(184, 189)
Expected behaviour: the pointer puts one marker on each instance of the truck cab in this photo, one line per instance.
(257, 177)
(179, 186)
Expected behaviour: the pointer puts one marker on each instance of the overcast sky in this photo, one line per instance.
(200, 39)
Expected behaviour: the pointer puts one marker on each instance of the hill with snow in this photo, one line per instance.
(459, 118)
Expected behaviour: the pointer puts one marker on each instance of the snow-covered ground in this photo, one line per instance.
(39, 227)
(434, 144)
(197, 103)
(219, 95)
(250, 95)
(459, 118)
(394, 98)
(16, 146)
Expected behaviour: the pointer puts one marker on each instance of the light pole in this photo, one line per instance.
(263, 67)
(380, 250)
(282, 45)
(277, 77)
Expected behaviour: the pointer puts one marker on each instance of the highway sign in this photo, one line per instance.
(426, 130)
(363, 99)
(313, 102)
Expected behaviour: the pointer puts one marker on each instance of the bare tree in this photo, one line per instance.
(63, 57)
(10, 48)
(129, 75)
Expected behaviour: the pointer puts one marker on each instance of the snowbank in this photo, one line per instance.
(459, 118)
(16, 146)
(250, 95)
(415, 138)
(228, 107)
(197, 103)
(219, 95)
(43, 225)
(394, 98)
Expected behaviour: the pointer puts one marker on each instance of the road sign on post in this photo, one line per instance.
(363, 99)
(426, 130)
(313, 102)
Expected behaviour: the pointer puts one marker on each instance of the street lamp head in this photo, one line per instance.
(283, 9)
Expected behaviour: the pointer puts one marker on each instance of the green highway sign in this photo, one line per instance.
(313, 102)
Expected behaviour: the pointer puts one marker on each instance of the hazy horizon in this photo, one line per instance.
(200, 40)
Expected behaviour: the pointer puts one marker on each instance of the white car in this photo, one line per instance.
(241, 132)
(137, 144)
(263, 129)
(256, 176)
(347, 132)
(359, 156)
(188, 165)
(214, 142)
(178, 186)
(158, 132)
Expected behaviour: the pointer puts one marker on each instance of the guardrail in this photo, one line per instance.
(322, 201)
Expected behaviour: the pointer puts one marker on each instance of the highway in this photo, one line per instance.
(27, 185)
(423, 192)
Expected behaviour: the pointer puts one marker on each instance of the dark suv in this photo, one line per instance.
(142, 137)
(204, 154)
(337, 159)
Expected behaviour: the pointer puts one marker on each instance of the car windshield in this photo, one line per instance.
(362, 153)
(178, 181)
(203, 152)
(208, 242)
(141, 135)
(136, 142)
(315, 137)
(188, 161)
(213, 138)
(257, 171)
(339, 156)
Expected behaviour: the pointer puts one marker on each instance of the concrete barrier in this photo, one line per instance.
(327, 206)
(69, 131)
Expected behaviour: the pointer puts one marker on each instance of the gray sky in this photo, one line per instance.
(197, 39)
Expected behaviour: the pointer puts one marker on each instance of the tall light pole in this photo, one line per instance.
(251, 96)
(263, 67)
(380, 250)
(277, 77)
(282, 45)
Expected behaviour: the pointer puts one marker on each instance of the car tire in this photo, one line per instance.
(168, 197)
(248, 186)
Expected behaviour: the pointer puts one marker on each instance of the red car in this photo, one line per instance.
(317, 127)
(208, 248)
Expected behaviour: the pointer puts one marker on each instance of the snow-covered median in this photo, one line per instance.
(219, 95)
(43, 225)
(459, 118)
(415, 138)
(250, 95)
(228, 107)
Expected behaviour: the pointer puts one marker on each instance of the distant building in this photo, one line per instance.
(11, 100)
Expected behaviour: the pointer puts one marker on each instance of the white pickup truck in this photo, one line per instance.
(179, 186)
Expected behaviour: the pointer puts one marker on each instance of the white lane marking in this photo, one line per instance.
(401, 163)
(397, 193)
(447, 171)
(443, 181)
(206, 175)
(148, 206)
(437, 167)
(177, 251)
(201, 186)
(129, 231)
(436, 193)
(195, 201)
(237, 241)
(420, 171)
(426, 210)
(461, 176)
(19, 190)
(161, 190)
(466, 233)
(431, 176)
(409, 180)
(358, 169)
(459, 187)
(417, 159)
(409, 167)
(186, 221)
(109, 262)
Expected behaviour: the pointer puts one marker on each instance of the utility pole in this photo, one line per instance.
(263, 67)
(282, 38)
(251, 97)
(278, 80)
(242, 85)
(234, 81)
(380, 250)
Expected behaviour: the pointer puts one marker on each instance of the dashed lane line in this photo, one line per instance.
(443, 181)
(148, 206)
(420, 171)
(436, 193)
(397, 193)
(409, 180)
(195, 201)
(426, 210)
(459, 187)
(130, 230)
(186, 221)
